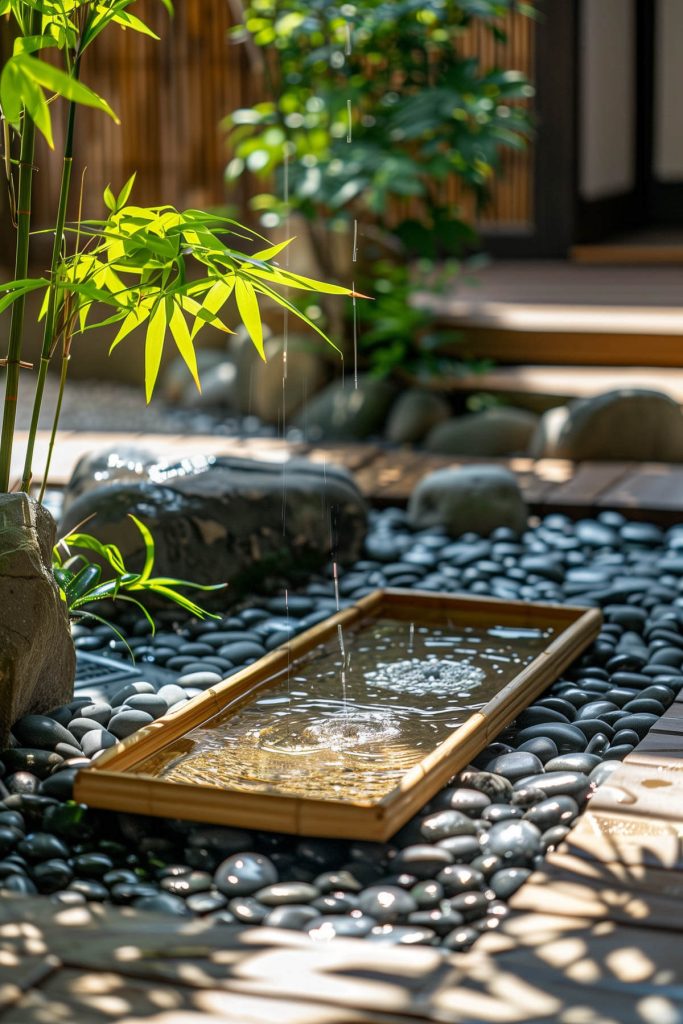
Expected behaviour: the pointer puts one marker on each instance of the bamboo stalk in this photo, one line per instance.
(16, 333)
(49, 329)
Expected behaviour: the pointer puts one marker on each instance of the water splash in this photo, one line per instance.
(435, 676)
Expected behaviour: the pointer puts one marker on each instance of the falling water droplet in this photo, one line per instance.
(349, 131)
(349, 43)
(354, 254)
(411, 637)
(335, 577)
(355, 338)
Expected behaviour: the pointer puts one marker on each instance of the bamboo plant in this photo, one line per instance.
(166, 271)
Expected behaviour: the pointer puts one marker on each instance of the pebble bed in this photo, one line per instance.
(446, 876)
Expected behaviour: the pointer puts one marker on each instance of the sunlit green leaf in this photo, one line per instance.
(154, 347)
(247, 305)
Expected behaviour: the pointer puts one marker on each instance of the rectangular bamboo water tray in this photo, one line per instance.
(354, 725)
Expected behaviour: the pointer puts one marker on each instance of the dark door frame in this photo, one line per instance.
(555, 144)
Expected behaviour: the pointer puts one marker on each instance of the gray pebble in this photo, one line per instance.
(125, 723)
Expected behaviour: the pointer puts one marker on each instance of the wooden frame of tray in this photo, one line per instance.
(111, 781)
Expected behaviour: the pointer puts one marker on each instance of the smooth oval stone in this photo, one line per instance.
(558, 704)
(641, 723)
(470, 904)
(98, 712)
(620, 751)
(340, 926)
(461, 848)
(245, 873)
(446, 823)
(440, 920)
(21, 784)
(555, 810)
(38, 762)
(421, 860)
(14, 819)
(42, 846)
(163, 903)
(458, 878)
(627, 615)
(573, 763)
(495, 787)
(280, 893)
(96, 740)
(535, 715)
(68, 751)
(658, 691)
(564, 783)
(541, 747)
(336, 881)
(51, 875)
(553, 837)
(386, 903)
(646, 704)
(336, 903)
(295, 916)
(625, 736)
(171, 693)
(19, 883)
(129, 690)
(188, 884)
(125, 723)
(40, 731)
(79, 726)
(151, 703)
(594, 709)
(9, 837)
(513, 841)
(500, 812)
(60, 785)
(515, 765)
(470, 801)
(242, 650)
(92, 865)
(567, 737)
(460, 939)
(402, 935)
(621, 695)
(669, 656)
(590, 727)
(93, 891)
(205, 902)
(124, 893)
(200, 680)
(428, 894)
(507, 881)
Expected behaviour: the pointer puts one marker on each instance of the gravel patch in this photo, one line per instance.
(446, 876)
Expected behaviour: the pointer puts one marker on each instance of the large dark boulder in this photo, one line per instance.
(225, 520)
(37, 657)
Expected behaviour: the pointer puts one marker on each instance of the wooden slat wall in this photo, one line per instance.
(172, 95)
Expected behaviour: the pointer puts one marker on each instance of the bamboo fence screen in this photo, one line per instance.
(171, 98)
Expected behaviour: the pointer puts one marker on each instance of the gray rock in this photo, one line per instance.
(244, 874)
(414, 413)
(502, 430)
(259, 388)
(516, 842)
(386, 903)
(125, 723)
(629, 424)
(230, 519)
(281, 893)
(473, 498)
(342, 412)
(219, 388)
(337, 926)
(507, 881)
(96, 740)
(37, 657)
(176, 378)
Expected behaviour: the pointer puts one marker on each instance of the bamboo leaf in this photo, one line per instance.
(273, 250)
(135, 318)
(247, 305)
(181, 336)
(154, 346)
(215, 299)
(148, 541)
(62, 84)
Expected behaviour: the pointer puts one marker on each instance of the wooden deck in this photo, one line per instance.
(652, 491)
